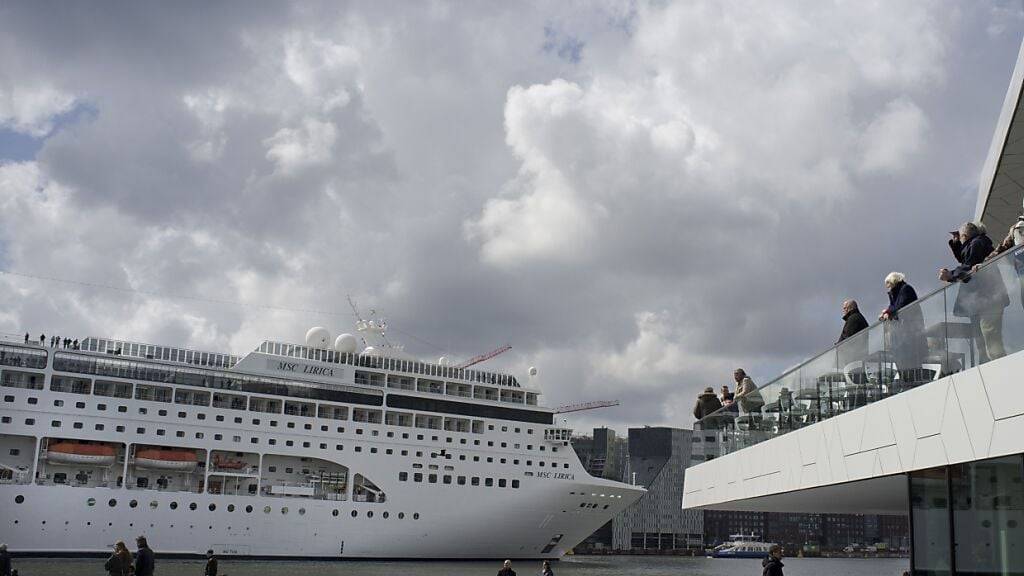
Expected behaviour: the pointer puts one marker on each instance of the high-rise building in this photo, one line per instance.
(658, 458)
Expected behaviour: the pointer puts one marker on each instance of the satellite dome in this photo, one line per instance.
(369, 351)
(346, 344)
(318, 337)
(533, 370)
(443, 361)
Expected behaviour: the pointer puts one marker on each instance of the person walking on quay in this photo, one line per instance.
(5, 561)
(120, 561)
(773, 563)
(545, 569)
(506, 569)
(211, 564)
(145, 562)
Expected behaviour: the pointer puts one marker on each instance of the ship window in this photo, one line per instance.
(476, 458)
(432, 478)
(461, 480)
(446, 479)
(272, 441)
(489, 482)
(416, 516)
(218, 437)
(474, 481)
(339, 447)
(334, 512)
(501, 482)
(77, 425)
(403, 476)
(354, 513)
(122, 408)
(359, 448)
(55, 423)
(120, 429)
(369, 514)
(266, 509)
(199, 435)
(5, 419)
(417, 477)
(515, 483)
(289, 443)
(90, 502)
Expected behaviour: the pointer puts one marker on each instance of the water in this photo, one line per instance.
(573, 566)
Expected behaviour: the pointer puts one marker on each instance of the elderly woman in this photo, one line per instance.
(982, 295)
(906, 329)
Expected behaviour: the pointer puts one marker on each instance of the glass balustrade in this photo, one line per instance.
(954, 328)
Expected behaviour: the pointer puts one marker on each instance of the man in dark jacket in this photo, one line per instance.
(145, 563)
(854, 320)
(983, 296)
(506, 569)
(707, 403)
(211, 564)
(5, 561)
(772, 565)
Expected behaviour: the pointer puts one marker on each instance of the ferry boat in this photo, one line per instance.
(344, 448)
(742, 546)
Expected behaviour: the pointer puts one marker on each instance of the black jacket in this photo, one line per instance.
(855, 322)
(211, 567)
(707, 403)
(984, 294)
(506, 572)
(118, 566)
(5, 563)
(144, 562)
(772, 566)
(900, 295)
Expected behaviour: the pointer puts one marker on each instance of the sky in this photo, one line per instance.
(639, 197)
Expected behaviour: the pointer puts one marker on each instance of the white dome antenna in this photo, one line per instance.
(318, 337)
(346, 344)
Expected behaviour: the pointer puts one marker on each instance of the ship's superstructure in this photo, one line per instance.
(290, 451)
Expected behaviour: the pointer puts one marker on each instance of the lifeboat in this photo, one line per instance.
(166, 459)
(227, 463)
(75, 453)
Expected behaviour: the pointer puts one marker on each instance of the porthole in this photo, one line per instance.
(354, 513)
(112, 502)
(369, 514)
(212, 507)
(174, 505)
(192, 506)
(284, 510)
(334, 513)
(266, 509)
(91, 502)
(248, 509)
(416, 516)
(231, 507)
(154, 504)
(19, 499)
(385, 515)
(401, 515)
(133, 503)
(302, 511)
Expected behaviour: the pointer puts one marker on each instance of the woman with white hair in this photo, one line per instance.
(905, 330)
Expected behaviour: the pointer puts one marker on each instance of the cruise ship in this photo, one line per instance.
(329, 449)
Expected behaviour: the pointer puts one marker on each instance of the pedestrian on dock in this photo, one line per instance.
(5, 561)
(120, 561)
(145, 562)
(506, 569)
(545, 569)
(773, 563)
(211, 564)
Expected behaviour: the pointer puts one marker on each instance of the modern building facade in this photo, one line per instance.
(658, 458)
(923, 416)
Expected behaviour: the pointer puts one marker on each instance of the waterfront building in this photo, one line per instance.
(658, 457)
(322, 450)
(921, 417)
(603, 454)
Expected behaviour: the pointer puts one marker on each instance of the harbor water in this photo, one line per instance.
(571, 566)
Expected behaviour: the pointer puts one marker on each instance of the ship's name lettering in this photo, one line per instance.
(556, 475)
(305, 369)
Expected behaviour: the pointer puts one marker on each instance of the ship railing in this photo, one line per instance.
(954, 328)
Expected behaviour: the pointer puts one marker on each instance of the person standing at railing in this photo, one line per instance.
(906, 329)
(982, 296)
(707, 404)
(749, 399)
(853, 320)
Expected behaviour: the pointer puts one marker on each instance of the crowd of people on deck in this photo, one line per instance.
(55, 341)
(982, 299)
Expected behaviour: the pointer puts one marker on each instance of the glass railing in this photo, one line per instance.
(956, 327)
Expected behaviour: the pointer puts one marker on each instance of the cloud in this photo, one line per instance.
(31, 110)
(637, 196)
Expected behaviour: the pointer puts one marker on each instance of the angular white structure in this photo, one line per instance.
(923, 416)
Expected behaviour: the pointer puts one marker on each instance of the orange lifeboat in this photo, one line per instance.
(166, 459)
(69, 452)
(227, 463)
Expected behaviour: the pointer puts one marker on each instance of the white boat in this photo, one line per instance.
(742, 546)
(328, 449)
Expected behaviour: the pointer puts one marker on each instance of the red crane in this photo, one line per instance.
(485, 356)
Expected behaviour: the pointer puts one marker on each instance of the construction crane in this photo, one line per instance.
(485, 356)
(578, 407)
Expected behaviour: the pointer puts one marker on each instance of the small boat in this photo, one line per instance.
(742, 546)
(166, 459)
(67, 452)
(227, 463)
